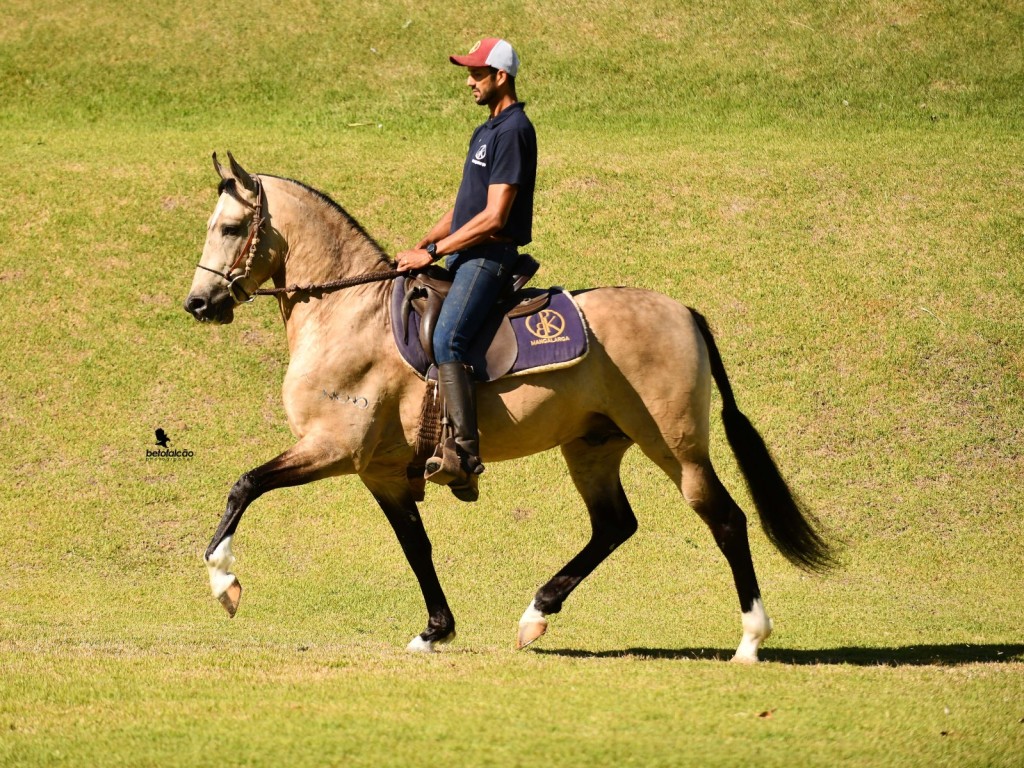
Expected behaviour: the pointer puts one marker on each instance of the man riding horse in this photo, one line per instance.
(354, 403)
(491, 218)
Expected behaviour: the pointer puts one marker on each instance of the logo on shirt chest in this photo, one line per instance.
(480, 156)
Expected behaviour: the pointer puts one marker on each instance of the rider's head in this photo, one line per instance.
(493, 65)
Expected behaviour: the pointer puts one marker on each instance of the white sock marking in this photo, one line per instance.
(532, 616)
(419, 645)
(756, 629)
(219, 564)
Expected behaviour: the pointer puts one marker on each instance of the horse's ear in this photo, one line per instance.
(241, 175)
(218, 167)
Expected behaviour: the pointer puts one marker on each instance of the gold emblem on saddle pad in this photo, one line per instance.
(547, 325)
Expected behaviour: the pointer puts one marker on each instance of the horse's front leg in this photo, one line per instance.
(394, 496)
(304, 462)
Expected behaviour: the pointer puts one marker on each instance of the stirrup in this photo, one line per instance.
(449, 466)
(445, 465)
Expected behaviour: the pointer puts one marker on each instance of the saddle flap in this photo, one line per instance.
(502, 352)
(493, 353)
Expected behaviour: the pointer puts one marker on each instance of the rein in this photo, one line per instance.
(248, 252)
(333, 285)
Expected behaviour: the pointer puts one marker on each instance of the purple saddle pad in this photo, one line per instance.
(553, 337)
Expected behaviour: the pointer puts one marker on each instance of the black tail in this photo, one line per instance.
(787, 525)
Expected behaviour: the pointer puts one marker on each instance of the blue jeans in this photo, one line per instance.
(481, 275)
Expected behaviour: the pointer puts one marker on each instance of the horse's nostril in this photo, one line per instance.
(195, 305)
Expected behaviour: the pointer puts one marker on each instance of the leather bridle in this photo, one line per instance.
(248, 252)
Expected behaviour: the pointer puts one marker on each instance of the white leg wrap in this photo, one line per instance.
(419, 645)
(756, 629)
(219, 564)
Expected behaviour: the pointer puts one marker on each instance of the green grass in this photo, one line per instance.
(837, 187)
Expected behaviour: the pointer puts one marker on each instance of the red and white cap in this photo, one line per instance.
(490, 52)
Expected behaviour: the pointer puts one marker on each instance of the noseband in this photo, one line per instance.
(248, 252)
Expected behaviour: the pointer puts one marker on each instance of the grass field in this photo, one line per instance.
(839, 188)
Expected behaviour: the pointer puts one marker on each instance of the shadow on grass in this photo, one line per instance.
(954, 654)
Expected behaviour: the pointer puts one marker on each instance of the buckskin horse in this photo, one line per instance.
(646, 380)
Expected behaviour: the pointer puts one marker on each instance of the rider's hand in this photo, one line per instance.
(417, 258)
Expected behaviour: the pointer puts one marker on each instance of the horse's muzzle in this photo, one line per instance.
(207, 311)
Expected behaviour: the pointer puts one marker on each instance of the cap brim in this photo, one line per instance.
(469, 61)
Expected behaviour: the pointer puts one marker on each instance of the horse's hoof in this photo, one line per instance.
(230, 598)
(419, 645)
(757, 627)
(740, 659)
(531, 626)
(530, 632)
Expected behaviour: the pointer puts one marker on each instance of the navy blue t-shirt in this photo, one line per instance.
(502, 151)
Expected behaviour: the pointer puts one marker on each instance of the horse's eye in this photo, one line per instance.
(231, 230)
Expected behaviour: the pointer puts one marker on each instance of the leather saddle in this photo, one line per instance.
(497, 345)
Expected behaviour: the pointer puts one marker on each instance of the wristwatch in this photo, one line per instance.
(432, 251)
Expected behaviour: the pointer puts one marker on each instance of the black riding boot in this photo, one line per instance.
(457, 463)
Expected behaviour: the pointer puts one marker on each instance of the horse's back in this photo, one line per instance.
(645, 334)
(646, 373)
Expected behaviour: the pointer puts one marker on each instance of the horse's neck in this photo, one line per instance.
(323, 242)
(335, 314)
(322, 245)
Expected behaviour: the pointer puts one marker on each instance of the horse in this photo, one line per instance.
(646, 381)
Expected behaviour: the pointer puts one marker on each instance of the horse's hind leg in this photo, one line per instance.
(594, 468)
(709, 498)
(304, 462)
